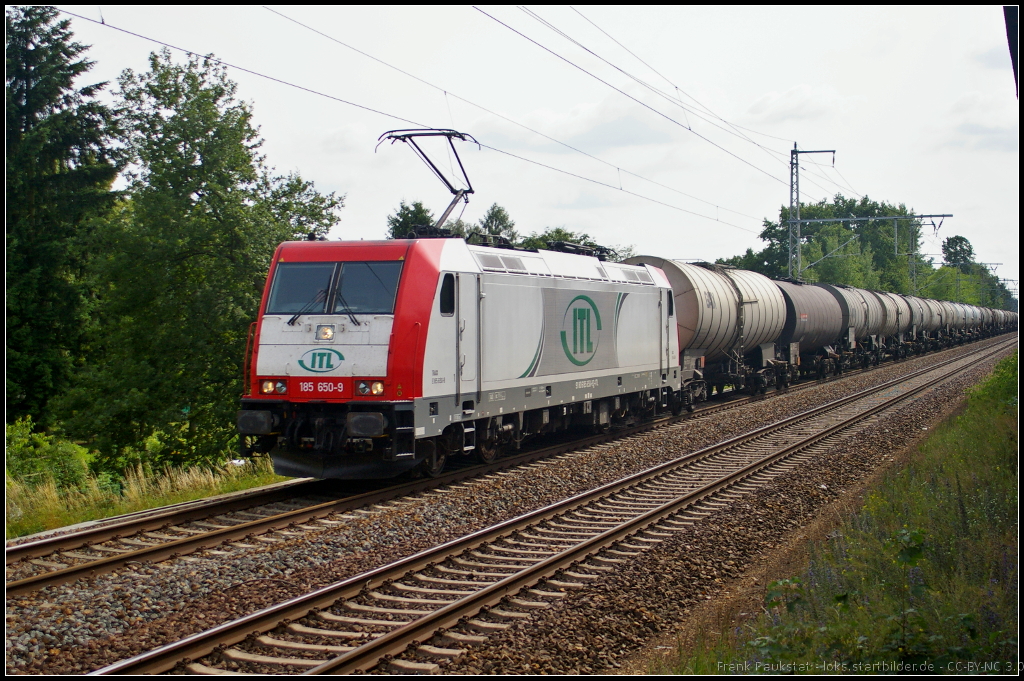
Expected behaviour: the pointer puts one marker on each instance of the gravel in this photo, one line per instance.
(77, 627)
(593, 630)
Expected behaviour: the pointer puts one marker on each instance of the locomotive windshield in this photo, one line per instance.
(367, 287)
(301, 287)
(355, 288)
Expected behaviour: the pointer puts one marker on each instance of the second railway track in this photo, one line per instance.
(456, 594)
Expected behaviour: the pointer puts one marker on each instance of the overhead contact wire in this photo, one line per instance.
(501, 116)
(668, 97)
(631, 97)
(384, 113)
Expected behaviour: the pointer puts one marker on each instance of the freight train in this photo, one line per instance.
(370, 359)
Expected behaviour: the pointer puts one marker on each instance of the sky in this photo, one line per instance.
(680, 118)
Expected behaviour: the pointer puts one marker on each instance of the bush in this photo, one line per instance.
(36, 458)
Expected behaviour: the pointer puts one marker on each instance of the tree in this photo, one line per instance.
(881, 260)
(406, 217)
(496, 222)
(540, 240)
(957, 251)
(459, 227)
(180, 266)
(59, 173)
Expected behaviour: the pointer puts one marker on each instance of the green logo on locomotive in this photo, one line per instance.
(321, 360)
(582, 323)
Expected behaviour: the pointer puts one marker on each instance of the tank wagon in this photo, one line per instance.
(741, 329)
(727, 321)
(374, 358)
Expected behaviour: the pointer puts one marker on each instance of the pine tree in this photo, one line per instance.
(59, 173)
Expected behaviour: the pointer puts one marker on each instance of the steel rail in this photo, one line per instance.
(202, 643)
(159, 520)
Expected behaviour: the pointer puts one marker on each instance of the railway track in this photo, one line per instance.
(266, 515)
(439, 602)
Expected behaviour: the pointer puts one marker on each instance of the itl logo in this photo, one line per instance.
(585, 320)
(321, 360)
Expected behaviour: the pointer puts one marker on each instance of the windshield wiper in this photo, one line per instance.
(320, 296)
(347, 310)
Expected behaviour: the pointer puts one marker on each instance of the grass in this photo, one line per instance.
(926, 573)
(46, 505)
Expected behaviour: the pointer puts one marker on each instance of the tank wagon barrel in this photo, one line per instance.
(724, 318)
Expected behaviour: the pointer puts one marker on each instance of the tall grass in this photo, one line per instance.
(925, 574)
(34, 506)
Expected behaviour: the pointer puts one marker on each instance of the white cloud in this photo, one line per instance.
(802, 102)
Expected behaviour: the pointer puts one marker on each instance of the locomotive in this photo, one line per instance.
(374, 358)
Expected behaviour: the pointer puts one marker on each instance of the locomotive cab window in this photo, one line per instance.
(367, 287)
(447, 302)
(301, 287)
(313, 288)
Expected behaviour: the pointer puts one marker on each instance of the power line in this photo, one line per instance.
(666, 79)
(448, 93)
(657, 91)
(611, 186)
(383, 113)
(731, 130)
(626, 94)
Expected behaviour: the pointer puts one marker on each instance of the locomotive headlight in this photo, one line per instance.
(377, 388)
(363, 388)
(280, 387)
(325, 332)
(267, 387)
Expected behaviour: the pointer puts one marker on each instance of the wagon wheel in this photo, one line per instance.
(487, 451)
(434, 458)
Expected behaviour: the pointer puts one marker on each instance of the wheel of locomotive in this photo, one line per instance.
(486, 451)
(434, 458)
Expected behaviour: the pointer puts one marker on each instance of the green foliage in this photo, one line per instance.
(873, 254)
(540, 240)
(957, 251)
(59, 172)
(179, 268)
(496, 222)
(406, 217)
(926, 572)
(37, 458)
(33, 508)
(459, 227)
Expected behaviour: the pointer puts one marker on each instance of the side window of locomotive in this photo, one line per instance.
(671, 304)
(448, 295)
(367, 287)
(300, 287)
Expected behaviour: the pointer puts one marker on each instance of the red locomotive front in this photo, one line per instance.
(337, 357)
